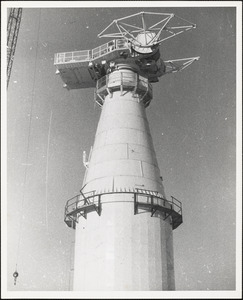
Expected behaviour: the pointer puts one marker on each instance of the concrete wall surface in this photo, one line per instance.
(119, 250)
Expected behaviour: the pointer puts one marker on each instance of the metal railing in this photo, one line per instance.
(89, 55)
(124, 80)
(102, 82)
(176, 205)
(144, 199)
(78, 201)
(153, 198)
(76, 56)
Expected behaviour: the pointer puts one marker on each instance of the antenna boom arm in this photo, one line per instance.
(177, 65)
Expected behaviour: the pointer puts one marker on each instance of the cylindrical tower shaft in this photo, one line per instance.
(118, 250)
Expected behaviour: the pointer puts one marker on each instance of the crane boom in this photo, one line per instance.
(14, 20)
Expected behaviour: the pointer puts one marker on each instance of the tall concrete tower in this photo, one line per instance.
(123, 219)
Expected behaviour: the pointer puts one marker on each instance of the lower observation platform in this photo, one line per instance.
(144, 200)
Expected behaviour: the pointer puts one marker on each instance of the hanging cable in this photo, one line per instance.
(15, 275)
(27, 151)
(47, 169)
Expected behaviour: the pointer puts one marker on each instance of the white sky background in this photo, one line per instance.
(192, 119)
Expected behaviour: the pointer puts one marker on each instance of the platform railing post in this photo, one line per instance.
(135, 204)
(99, 205)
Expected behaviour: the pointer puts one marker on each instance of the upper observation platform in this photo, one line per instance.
(81, 69)
(136, 41)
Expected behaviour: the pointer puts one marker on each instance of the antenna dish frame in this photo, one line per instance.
(127, 31)
(172, 65)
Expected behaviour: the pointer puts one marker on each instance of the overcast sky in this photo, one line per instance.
(192, 119)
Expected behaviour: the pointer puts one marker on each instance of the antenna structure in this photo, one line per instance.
(147, 29)
(118, 245)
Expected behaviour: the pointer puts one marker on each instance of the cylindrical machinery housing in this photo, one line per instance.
(118, 250)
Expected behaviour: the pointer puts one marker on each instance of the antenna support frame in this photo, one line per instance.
(146, 30)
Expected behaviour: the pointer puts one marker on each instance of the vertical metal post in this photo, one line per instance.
(99, 205)
(121, 87)
(135, 203)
